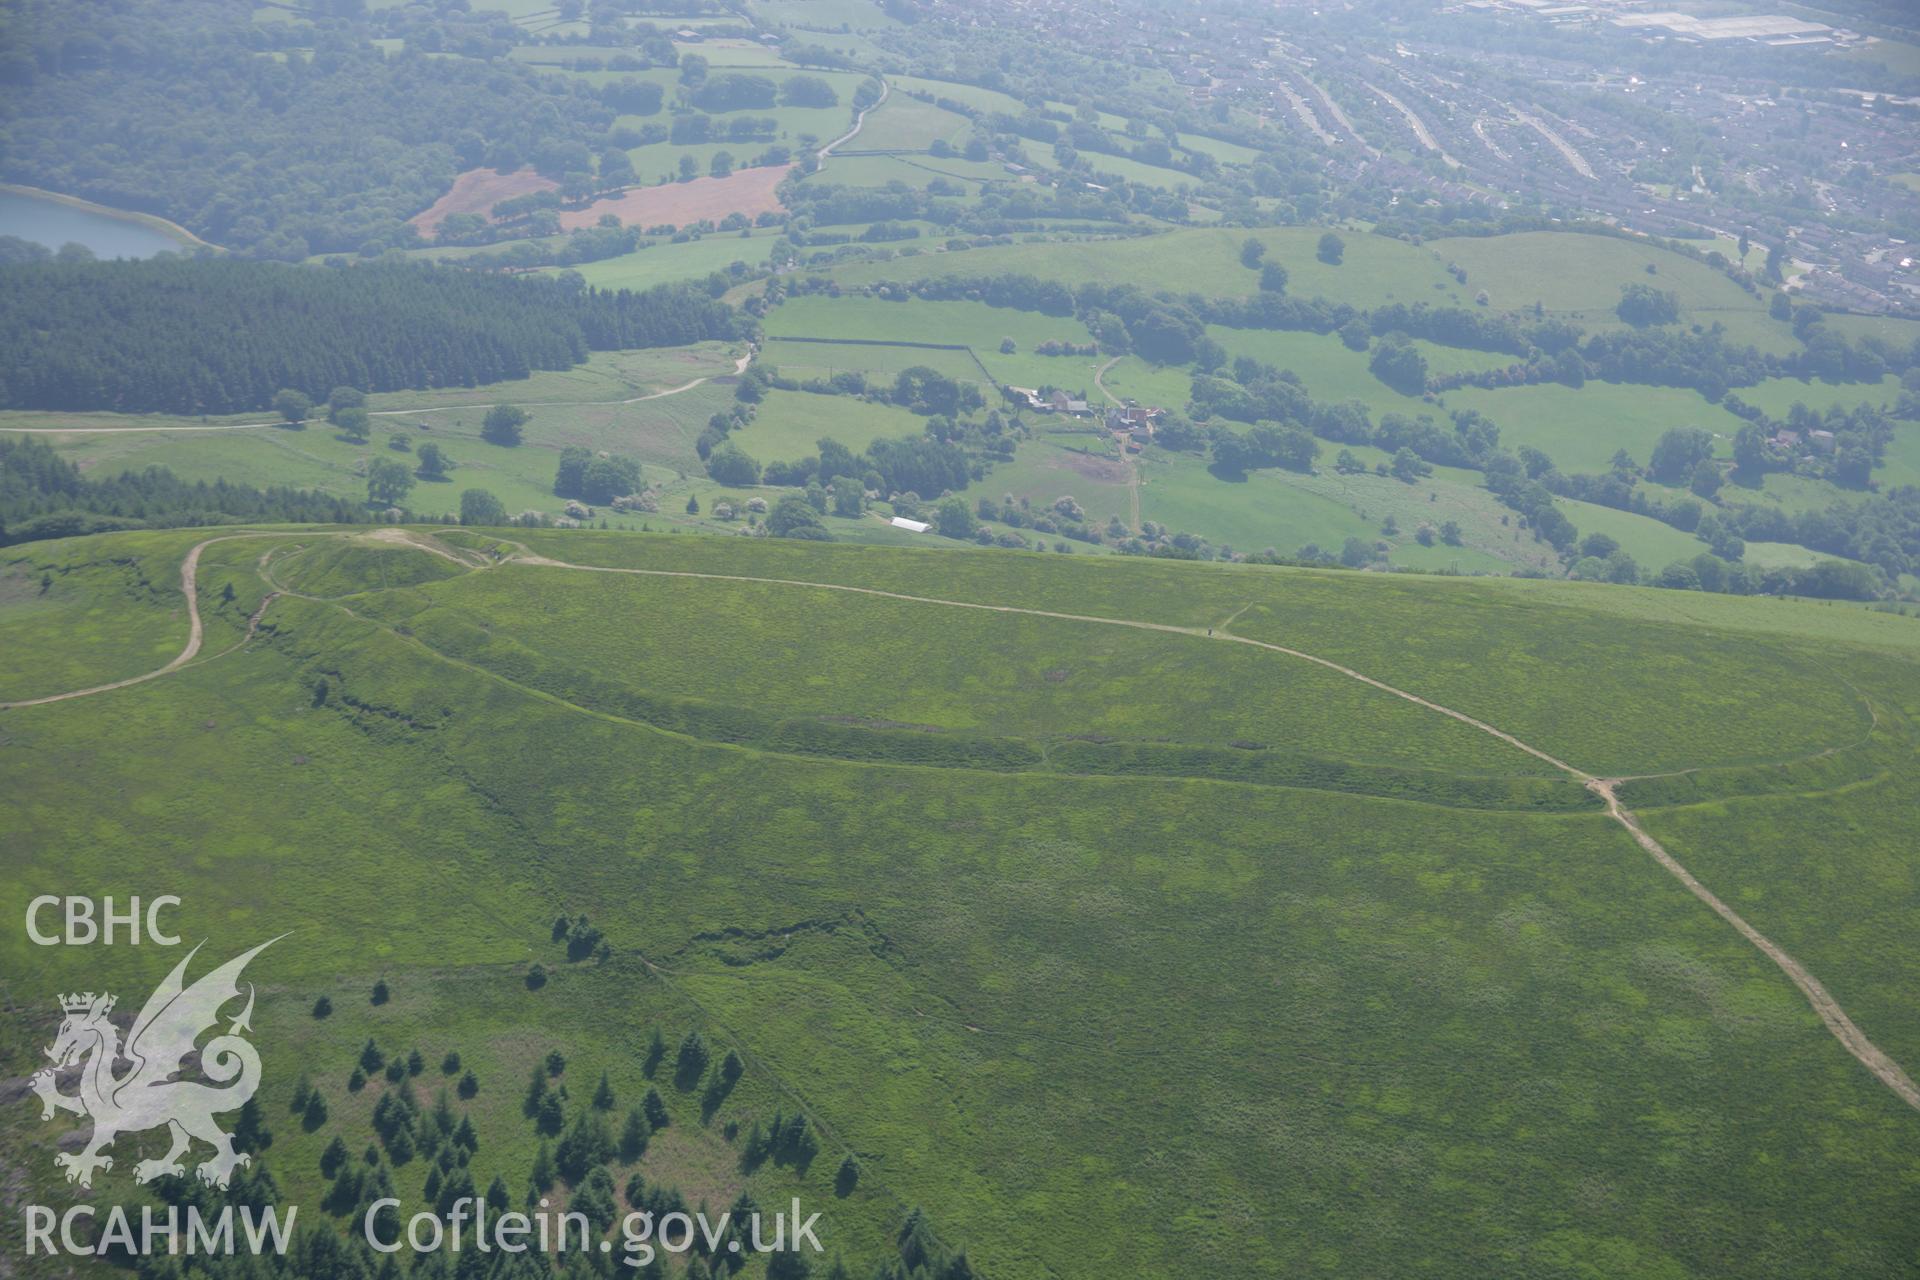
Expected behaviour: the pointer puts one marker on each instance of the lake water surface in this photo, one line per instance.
(53, 224)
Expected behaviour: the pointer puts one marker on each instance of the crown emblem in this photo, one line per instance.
(81, 1003)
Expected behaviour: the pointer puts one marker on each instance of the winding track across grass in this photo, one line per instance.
(1842, 1027)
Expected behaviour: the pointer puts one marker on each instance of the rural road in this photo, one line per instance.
(1835, 1018)
(1126, 459)
(859, 123)
(739, 367)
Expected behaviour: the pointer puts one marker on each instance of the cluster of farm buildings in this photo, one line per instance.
(1131, 423)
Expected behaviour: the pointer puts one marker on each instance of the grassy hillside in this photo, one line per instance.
(1115, 945)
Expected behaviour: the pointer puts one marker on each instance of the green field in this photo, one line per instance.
(1376, 270)
(789, 423)
(667, 262)
(907, 124)
(578, 407)
(1582, 275)
(1002, 900)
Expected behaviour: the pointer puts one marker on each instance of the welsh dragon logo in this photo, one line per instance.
(146, 1095)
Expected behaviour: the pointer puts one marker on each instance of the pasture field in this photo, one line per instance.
(1135, 379)
(915, 171)
(824, 15)
(1326, 366)
(665, 262)
(1886, 328)
(908, 124)
(869, 319)
(581, 406)
(1393, 1034)
(1581, 276)
(1580, 430)
(789, 423)
(971, 95)
(1205, 261)
(1136, 171)
(1776, 396)
(1651, 543)
(879, 361)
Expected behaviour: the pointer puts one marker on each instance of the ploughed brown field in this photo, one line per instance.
(477, 191)
(748, 191)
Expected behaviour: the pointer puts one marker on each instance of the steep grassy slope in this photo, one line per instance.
(1095, 1025)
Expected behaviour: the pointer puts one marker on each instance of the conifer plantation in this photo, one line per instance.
(222, 336)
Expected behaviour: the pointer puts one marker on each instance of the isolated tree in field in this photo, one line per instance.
(1273, 278)
(371, 1059)
(433, 462)
(380, 994)
(693, 505)
(656, 1110)
(721, 165)
(503, 424)
(322, 1007)
(656, 1053)
(1642, 304)
(689, 168)
(1331, 250)
(480, 507)
(848, 1175)
(341, 399)
(794, 517)
(954, 519)
(729, 464)
(1251, 251)
(603, 1094)
(388, 482)
(353, 423)
(399, 443)
(469, 1085)
(292, 406)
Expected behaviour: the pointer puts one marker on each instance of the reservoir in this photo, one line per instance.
(53, 223)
